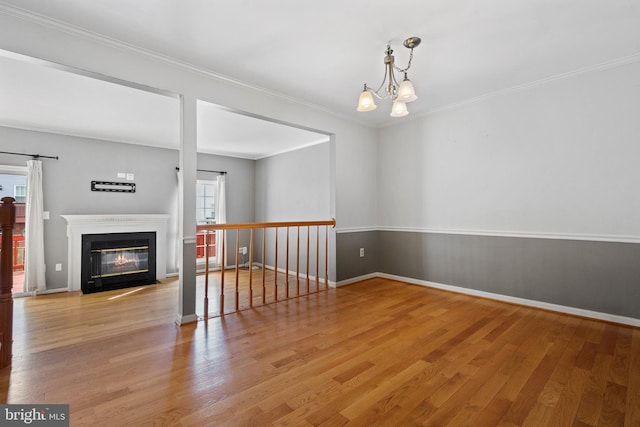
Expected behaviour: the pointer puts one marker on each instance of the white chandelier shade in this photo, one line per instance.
(399, 109)
(406, 93)
(366, 101)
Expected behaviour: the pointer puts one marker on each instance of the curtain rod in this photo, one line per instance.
(207, 170)
(35, 156)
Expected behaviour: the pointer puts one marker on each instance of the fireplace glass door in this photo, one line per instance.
(119, 261)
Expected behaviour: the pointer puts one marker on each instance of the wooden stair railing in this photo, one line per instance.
(252, 227)
(7, 222)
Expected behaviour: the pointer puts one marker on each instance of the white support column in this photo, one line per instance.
(187, 211)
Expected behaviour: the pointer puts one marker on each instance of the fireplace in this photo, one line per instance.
(80, 225)
(117, 260)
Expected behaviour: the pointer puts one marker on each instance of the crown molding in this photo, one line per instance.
(614, 63)
(83, 33)
(73, 30)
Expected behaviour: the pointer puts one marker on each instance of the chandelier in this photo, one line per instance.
(401, 93)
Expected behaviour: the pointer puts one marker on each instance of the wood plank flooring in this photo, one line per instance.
(377, 352)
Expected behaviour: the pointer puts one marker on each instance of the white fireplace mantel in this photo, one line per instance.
(77, 225)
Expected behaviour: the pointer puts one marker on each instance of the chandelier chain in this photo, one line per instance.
(400, 70)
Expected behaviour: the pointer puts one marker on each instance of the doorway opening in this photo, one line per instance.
(205, 214)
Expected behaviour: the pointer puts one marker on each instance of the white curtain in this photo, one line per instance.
(221, 218)
(34, 274)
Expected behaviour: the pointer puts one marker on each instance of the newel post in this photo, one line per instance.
(7, 221)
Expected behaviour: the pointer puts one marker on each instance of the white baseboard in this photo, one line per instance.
(357, 279)
(504, 298)
(42, 292)
(189, 318)
(51, 291)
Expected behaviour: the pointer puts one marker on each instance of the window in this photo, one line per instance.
(205, 214)
(205, 201)
(20, 193)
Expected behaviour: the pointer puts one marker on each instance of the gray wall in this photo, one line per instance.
(351, 264)
(294, 186)
(453, 169)
(66, 185)
(591, 275)
(550, 165)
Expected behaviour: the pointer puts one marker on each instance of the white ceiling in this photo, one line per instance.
(36, 96)
(39, 97)
(232, 134)
(321, 53)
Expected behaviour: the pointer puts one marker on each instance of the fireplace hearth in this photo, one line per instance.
(117, 260)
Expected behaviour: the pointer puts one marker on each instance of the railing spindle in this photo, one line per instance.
(275, 271)
(206, 274)
(264, 269)
(307, 270)
(326, 258)
(251, 268)
(221, 263)
(317, 258)
(287, 266)
(237, 270)
(298, 263)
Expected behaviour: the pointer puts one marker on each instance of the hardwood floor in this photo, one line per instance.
(377, 352)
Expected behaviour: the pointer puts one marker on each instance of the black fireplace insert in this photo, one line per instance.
(117, 260)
